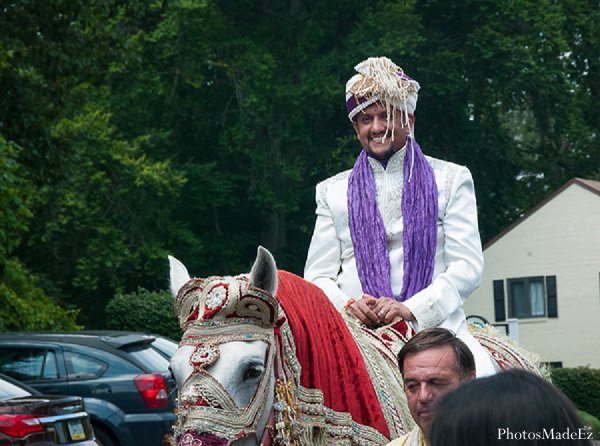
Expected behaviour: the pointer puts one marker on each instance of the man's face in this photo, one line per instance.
(371, 126)
(429, 375)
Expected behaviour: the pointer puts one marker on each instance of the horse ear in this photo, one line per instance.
(264, 271)
(179, 275)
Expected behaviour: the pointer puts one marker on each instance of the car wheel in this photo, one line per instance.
(104, 438)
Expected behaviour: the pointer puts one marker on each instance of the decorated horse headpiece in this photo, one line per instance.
(224, 301)
(213, 311)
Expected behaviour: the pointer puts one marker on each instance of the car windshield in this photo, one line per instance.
(151, 359)
(9, 390)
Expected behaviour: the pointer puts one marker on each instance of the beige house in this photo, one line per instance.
(544, 271)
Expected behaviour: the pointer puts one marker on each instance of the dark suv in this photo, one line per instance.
(123, 377)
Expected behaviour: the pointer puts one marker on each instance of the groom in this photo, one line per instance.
(396, 236)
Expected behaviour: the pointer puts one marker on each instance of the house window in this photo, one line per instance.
(526, 297)
(554, 364)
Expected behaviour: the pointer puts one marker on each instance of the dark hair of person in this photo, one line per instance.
(514, 407)
(435, 338)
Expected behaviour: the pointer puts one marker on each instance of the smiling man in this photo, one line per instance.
(432, 363)
(396, 237)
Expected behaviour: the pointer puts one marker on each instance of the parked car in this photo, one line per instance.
(28, 418)
(124, 379)
(166, 346)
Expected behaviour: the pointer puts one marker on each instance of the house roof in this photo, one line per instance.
(591, 185)
(594, 186)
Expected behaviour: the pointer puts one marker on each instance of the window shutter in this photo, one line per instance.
(551, 296)
(499, 311)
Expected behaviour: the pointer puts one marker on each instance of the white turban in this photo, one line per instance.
(381, 80)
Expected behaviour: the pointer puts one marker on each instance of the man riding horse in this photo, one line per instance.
(266, 357)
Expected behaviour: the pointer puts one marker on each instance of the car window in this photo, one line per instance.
(83, 367)
(28, 364)
(165, 346)
(149, 358)
(95, 363)
(10, 390)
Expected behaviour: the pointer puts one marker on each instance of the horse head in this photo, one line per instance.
(224, 366)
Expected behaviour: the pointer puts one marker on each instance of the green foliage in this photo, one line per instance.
(109, 211)
(14, 193)
(145, 311)
(592, 421)
(23, 304)
(25, 307)
(581, 385)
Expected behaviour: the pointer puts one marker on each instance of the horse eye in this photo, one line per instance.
(253, 372)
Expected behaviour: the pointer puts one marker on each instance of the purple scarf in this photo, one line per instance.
(419, 212)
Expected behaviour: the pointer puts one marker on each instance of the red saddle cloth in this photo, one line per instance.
(327, 352)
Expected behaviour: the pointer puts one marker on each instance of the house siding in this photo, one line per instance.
(562, 239)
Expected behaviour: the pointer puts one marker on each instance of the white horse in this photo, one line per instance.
(254, 369)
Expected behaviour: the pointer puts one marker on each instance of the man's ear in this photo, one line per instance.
(355, 126)
(411, 123)
(411, 120)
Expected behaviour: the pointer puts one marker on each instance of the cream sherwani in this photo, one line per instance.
(458, 260)
(413, 438)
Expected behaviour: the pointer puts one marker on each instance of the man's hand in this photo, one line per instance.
(376, 312)
(361, 309)
(390, 311)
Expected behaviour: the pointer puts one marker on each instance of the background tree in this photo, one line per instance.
(101, 204)
(200, 129)
(23, 304)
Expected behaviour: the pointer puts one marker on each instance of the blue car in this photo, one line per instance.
(123, 377)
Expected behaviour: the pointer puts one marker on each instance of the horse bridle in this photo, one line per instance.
(214, 311)
(206, 406)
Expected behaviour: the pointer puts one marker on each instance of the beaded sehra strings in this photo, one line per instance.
(381, 80)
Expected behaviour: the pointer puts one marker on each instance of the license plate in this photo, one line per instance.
(76, 430)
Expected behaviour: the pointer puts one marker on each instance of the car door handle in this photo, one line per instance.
(102, 391)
